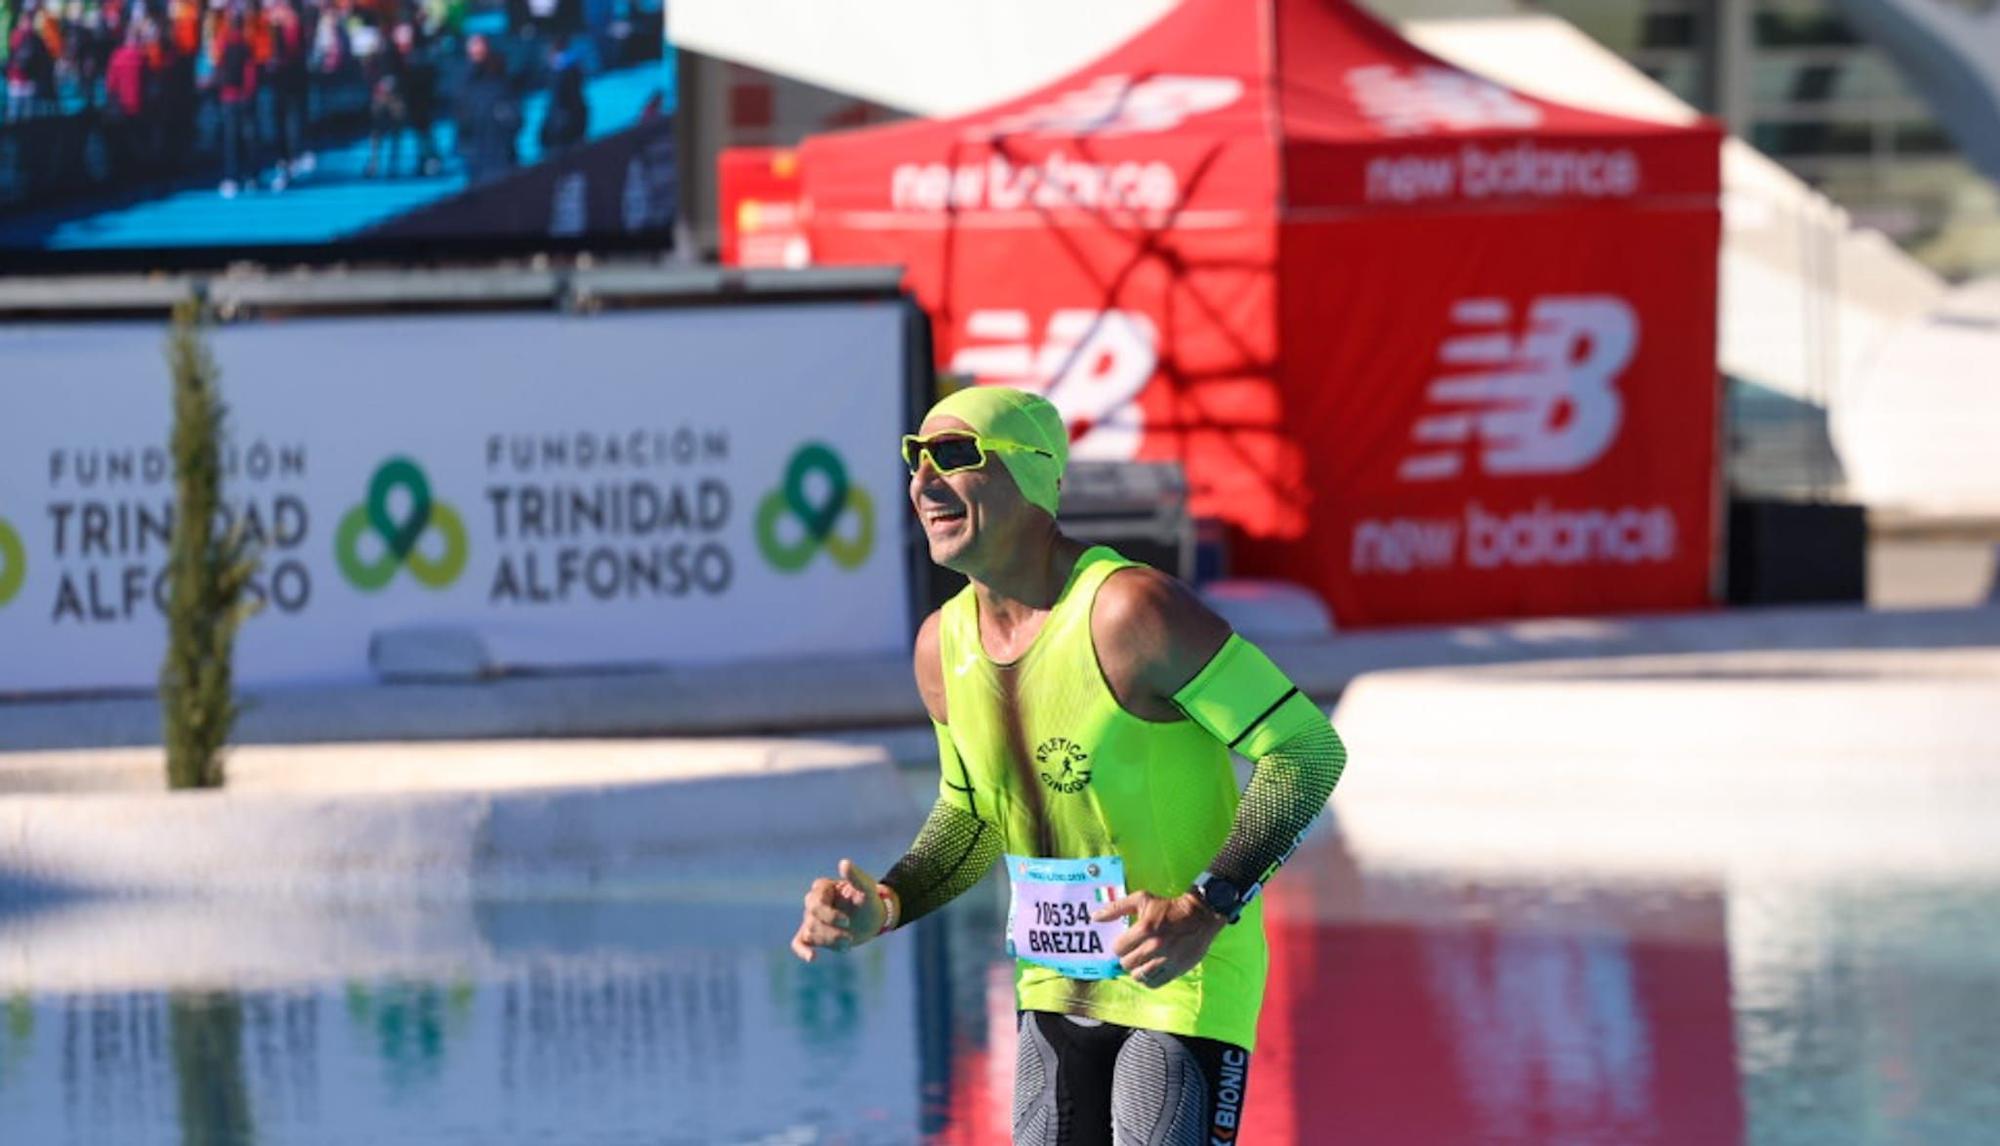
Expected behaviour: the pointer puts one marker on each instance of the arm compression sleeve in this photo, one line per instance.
(955, 848)
(1248, 703)
(1290, 785)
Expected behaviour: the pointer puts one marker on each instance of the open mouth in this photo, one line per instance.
(937, 512)
(941, 515)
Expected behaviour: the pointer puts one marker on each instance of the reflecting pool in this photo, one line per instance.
(1402, 1009)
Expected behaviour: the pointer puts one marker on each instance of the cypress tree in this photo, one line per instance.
(208, 573)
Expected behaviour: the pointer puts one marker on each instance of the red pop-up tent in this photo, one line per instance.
(1435, 348)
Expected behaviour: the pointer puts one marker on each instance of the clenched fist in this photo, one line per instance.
(840, 913)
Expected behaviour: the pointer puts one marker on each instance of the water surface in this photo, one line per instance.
(1402, 1009)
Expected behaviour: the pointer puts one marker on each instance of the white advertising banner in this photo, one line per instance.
(668, 487)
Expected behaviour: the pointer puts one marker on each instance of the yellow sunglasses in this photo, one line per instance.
(954, 451)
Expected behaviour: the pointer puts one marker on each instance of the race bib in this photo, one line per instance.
(1048, 918)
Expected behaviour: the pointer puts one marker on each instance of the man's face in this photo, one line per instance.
(969, 516)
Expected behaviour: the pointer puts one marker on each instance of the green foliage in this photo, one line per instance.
(205, 1034)
(208, 575)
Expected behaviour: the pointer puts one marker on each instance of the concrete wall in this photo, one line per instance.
(452, 821)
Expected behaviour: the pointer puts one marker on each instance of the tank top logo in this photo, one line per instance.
(1065, 766)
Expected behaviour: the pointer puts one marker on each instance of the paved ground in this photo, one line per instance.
(1824, 764)
(1926, 593)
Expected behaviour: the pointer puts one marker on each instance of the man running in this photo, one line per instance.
(1085, 709)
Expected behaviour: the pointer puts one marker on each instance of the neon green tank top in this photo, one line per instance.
(1052, 759)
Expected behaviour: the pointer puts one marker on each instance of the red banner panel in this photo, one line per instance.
(1501, 421)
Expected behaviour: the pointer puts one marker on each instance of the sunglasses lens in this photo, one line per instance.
(953, 454)
(948, 454)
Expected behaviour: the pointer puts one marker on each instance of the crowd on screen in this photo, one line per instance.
(136, 87)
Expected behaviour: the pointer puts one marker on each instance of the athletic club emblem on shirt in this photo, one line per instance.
(1064, 765)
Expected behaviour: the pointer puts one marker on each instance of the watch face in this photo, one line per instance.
(1221, 895)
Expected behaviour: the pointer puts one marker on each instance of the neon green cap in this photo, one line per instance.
(1017, 416)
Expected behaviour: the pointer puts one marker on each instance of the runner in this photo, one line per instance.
(1085, 709)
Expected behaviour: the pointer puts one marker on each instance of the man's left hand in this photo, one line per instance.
(1167, 937)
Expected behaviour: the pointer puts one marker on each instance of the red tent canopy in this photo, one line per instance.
(1434, 347)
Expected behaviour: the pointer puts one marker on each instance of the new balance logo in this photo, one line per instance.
(1119, 105)
(1092, 364)
(1419, 101)
(1541, 403)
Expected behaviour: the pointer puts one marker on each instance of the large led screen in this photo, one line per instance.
(208, 128)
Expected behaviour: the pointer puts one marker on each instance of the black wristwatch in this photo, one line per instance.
(1223, 897)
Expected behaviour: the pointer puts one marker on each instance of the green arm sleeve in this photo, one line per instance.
(1248, 703)
(1287, 789)
(955, 848)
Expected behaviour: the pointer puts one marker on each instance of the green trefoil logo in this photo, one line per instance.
(401, 537)
(821, 513)
(13, 562)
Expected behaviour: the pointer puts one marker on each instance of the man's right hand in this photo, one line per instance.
(839, 913)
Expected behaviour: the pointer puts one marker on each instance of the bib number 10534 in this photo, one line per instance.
(1062, 914)
(1048, 917)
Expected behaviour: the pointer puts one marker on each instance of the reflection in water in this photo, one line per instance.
(1400, 1011)
(1550, 1014)
(15, 1034)
(683, 1046)
(570, 1028)
(1459, 1013)
(1868, 1012)
(408, 1021)
(86, 1042)
(207, 1036)
(281, 1037)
